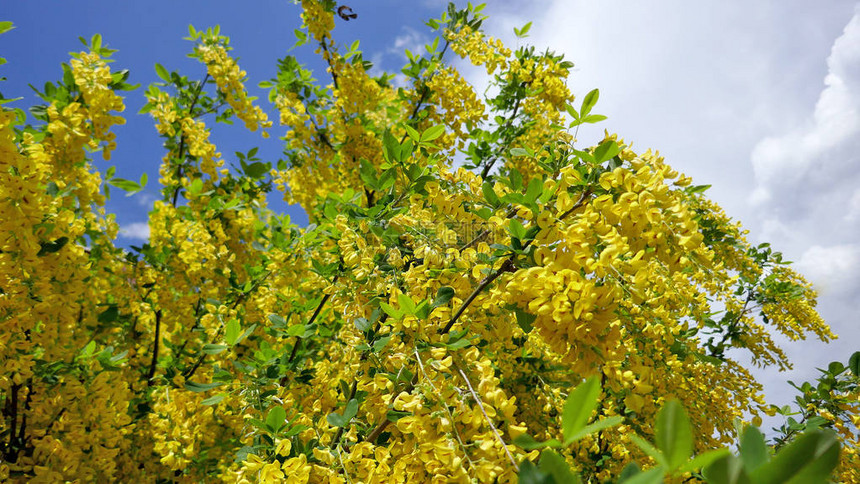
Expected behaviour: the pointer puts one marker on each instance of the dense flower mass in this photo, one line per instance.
(433, 323)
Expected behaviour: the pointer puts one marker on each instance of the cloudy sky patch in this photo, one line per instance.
(758, 99)
(136, 231)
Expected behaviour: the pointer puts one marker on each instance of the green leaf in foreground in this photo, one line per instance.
(276, 418)
(579, 405)
(673, 435)
(809, 459)
(554, 465)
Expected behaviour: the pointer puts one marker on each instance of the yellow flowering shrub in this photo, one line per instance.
(433, 323)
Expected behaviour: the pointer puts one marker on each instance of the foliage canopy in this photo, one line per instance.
(538, 309)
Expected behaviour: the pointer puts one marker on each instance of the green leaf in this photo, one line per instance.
(200, 387)
(297, 330)
(231, 331)
(432, 133)
(593, 118)
(196, 186)
(49, 247)
(649, 449)
(6, 26)
(530, 474)
(395, 415)
(390, 147)
(214, 399)
(131, 187)
(588, 102)
(810, 459)
(96, 43)
(516, 229)
(490, 194)
(162, 72)
(525, 320)
(534, 190)
(651, 476)
(389, 310)
(554, 465)
(213, 349)
(423, 310)
(515, 178)
(578, 407)
(673, 435)
(519, 152)
(109, 315)
(276, 418)
(362, 324)
(412, 133)
(88, 350)
(295, 430)
(337, 420)
(351, 409)
(728, 469)
(753, 449)
(407, 306)
(629, 471)
(245, 334)
(704, 460)
(367, 172)
(854, 363)
(380, 343)
(277, 321)
(443, 296)
(594, 428)
(606, 151)
(257, 169)
(528, 442)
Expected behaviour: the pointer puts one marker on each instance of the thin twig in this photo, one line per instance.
(507, 266)
(187, 374)
(181, 154)
(447, 410)
(508, 124)
(152, 364)
(487, 417)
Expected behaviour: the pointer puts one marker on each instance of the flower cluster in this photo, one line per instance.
(426, 325)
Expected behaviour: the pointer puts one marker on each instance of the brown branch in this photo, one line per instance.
(339, 433)
(155, 345)
(506, 266)
(508, 123)
(372, 436)
(297, 345)
(54, 420)
(328, 59)
(181, 154)
(188, 373)
(12, 412)
(426, 90)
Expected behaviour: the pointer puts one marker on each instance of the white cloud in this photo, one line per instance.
(710, 84)
(145, 199)
(411, 40)
(832, 269)
(819, 160)
(853, 212)
(137, 230)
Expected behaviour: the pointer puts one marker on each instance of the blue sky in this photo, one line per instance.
(760, 99)
(148, 32)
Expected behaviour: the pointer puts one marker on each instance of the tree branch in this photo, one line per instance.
(155, 345)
